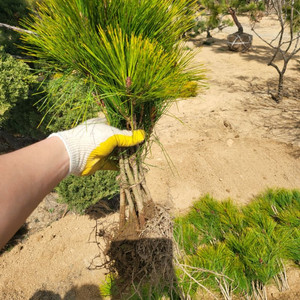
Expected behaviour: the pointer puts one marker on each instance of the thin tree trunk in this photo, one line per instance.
(280, 88)
(208, 35)
(236, 21)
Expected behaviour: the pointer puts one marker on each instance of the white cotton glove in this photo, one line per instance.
(90, 144)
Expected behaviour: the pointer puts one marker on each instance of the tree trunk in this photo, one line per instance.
(208, 35)
(280, 88)
(134, 193)
(236, 21)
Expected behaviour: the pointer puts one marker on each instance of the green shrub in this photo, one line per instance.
(259, 253)
(278, 210)
(16, 80)
(78, 192)
(82, 192)
(70, 92)
(18, 83)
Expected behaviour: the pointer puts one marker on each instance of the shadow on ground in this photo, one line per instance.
(103, 208)
(85, 292)
(16, 239)
(143, 268)
(283, 121)
(259, 53)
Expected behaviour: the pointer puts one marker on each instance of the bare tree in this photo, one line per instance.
(286, 44)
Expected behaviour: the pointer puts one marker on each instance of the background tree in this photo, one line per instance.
(213, 13)
(286, 44)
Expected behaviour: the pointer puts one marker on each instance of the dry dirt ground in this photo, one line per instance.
(231, 140)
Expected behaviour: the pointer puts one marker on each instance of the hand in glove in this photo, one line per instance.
(90, 144)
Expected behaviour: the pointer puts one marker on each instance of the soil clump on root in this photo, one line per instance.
(143, 262)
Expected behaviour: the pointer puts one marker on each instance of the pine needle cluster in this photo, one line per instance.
(239, 251)
(126, 52)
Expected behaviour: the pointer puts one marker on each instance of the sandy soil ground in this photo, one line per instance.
(232, 140)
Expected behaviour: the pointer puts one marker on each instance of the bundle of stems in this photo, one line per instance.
(133, 190)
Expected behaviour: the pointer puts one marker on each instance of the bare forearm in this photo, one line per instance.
(26, 177)
(29, 174)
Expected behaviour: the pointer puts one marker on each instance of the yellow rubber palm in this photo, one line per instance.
(90, 144)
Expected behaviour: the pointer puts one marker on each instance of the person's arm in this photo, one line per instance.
(27, 176)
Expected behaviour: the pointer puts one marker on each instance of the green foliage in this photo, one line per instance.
(127, 55)
(17, 87)
(16, 80)
(259, 253)
(82, 192)
(109, 288)
(189, 90)
(214, 14)
(186, 231)
(219, 259)
(67, 95)
(240, 250)
(212, 220)
(11, 11)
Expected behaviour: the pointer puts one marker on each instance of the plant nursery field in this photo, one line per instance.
(231, 141)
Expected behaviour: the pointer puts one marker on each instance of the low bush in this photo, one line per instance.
(18, 85)
(16, 80)
(82, 192)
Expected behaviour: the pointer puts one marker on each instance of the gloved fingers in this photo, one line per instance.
(130, 138)
(100, 164)
(98, 158)
(118, 140)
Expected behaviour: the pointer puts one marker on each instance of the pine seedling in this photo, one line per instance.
(214, 219)
(275, 200)
(216, 259)
(186, 235)
(129, 56)
(260, 254)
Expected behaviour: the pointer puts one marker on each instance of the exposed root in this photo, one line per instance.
(281, 279)
(139, 264)
(259, 291)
